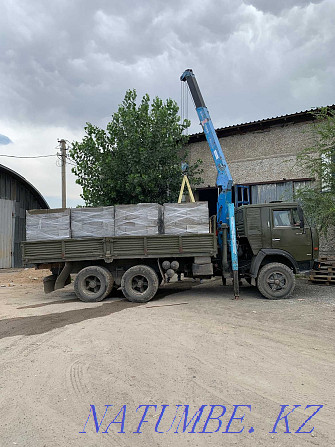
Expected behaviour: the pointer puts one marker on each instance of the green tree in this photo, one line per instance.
(319, 200)
(137, 158)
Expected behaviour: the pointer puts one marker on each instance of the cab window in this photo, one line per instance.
(295, 217)
(286, 218)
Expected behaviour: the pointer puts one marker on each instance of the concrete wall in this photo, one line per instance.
(263, 156)
(258, 156)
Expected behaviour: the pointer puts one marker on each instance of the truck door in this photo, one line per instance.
(289, 236)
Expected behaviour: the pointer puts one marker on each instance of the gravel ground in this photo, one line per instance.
(192, 345)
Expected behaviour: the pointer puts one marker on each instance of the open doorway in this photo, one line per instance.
(209, 195)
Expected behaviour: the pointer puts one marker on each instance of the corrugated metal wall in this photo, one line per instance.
(284, 191)
(6, 232)
(22, 197)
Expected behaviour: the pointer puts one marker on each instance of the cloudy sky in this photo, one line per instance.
(63, 63)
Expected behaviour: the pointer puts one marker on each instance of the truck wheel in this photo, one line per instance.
(275, 281)
(93, 284)
(139, 284)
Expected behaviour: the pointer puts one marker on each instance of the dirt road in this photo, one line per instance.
(192, 346)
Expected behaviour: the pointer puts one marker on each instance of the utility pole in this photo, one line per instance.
(63, 161)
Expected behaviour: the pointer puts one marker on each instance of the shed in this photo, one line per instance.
(16, 196)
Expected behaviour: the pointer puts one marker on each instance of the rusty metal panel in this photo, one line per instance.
(6, 232)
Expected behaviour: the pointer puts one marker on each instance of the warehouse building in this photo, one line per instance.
(262, 158)
(16, 196)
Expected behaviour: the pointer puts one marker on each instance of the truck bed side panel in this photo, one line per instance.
(128, 247)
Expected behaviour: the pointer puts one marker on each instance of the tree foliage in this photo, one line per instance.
(319, 200)
(137, 158)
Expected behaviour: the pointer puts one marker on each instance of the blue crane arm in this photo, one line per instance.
(224, 178)
(225, 207)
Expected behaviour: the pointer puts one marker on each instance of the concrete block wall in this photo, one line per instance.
(259, 156)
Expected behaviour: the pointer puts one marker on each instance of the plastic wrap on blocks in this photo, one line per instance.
(93, 222)
(141, 219)
(48, 224)
(186, 218)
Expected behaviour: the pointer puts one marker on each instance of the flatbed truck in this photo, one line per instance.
(267, 244)
(273, 244)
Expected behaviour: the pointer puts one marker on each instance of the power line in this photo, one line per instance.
(70, 161)
(37, 156)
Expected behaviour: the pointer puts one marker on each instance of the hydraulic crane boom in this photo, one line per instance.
(225, 206)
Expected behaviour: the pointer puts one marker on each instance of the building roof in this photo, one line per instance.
(253, 126)
(27, 184)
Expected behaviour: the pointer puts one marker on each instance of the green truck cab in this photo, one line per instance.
(274, 243)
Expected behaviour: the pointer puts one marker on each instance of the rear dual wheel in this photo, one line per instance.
(139, 283)
(93, 284)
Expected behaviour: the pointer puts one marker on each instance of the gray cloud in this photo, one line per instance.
(276, 7)
(64, 63)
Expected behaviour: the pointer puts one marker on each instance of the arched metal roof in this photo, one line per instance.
(43, 203)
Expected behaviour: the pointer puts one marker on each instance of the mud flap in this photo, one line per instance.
(49, 283)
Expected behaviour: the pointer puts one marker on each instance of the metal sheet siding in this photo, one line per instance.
(271, 192)
(6, 232)
(23, 198)
(284, 191)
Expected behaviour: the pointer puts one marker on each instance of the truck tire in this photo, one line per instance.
(93, 284)
(139, 284)
(276, 281)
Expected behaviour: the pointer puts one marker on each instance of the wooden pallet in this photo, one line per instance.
(327, 258)
(325, 273)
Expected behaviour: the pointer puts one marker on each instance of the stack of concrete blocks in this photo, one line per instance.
(182, 218)
(48, 224)
(142, 219)
(93, 222)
